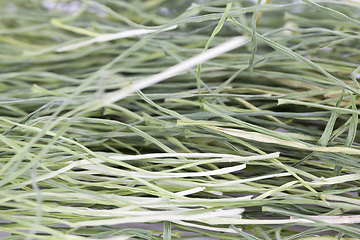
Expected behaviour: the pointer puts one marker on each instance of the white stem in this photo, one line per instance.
(176, 69)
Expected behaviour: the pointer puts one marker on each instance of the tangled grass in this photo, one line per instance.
(222, 119)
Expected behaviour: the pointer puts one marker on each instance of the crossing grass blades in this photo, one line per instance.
(159, 119)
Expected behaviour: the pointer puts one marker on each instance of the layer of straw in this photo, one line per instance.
(222, 119)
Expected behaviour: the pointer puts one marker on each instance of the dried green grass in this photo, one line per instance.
(225, 119)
